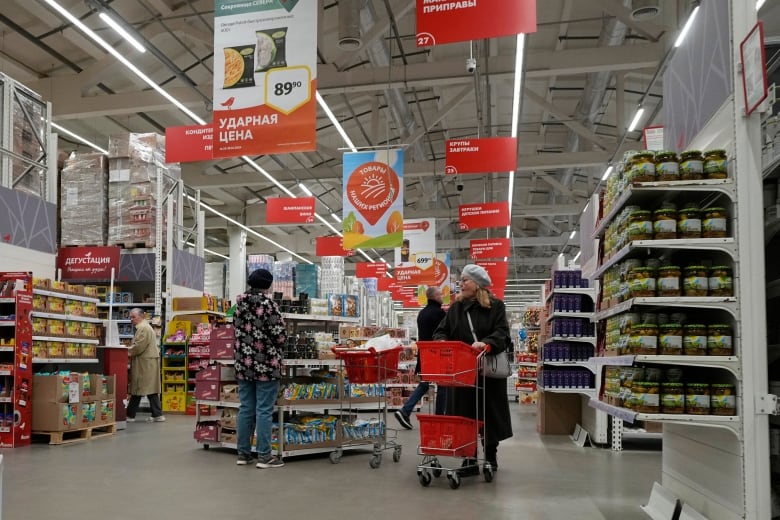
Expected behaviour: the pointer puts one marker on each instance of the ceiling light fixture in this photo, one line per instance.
(306, 190)
(78, 138)
(687, 27)
(209, 251)
(516, 92)
(637, 117)
(572, 234)
(759, 4)
(122, 32)
(577, 257)
(335, 217)
(607, 172)
(336, 123)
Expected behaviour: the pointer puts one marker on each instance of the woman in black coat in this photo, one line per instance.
(488, 314)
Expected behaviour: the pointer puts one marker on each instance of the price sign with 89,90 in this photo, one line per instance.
(288, 89)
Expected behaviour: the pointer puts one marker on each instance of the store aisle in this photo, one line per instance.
(156, 471)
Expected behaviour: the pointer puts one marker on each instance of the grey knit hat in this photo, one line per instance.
(478, 274)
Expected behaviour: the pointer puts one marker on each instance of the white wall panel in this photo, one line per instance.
(15, 258)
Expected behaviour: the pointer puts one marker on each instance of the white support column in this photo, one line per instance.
(237, 281)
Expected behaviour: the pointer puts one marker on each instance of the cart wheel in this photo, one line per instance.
(425, 478)
(206, 446)
(375, 461)
(487, 472)
(454, 479)
(397, 454)
(436, 464)
(335, 457)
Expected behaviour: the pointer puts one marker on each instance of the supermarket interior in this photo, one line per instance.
(594, 166)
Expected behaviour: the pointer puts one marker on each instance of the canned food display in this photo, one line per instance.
(668, 280)
(721, 281)
(689, 222)
(719, 340)
(665, 224)
(723, 399)
(695, 339)
(715, 164)
(697, 398)
(695, 281)
(672, 398)
(691, 165)
(670, 339)
(667, 166)
(714, 223)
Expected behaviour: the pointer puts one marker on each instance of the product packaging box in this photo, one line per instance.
(206, 431)
(207, 390)
(229, 393)
(102, 387)
(89, 413)
(222, 348)
(228, 436)
(224, 333)
(106, 415)
(216, 373)
(53, 388)
(55, 417)
(229, 418)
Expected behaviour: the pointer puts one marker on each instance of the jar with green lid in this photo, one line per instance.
(667, 166)
(689, 222)
(641, 282)
(719, 340)
(672, 398)
(640, 225)
(721, 281)
(697, 398)
(723, 399)
(691, 165)
(645, 397)
(641, 168)
(695, 339)
(665, 224)
(670, 339)
(695, 281)
(668, 280)
(715, 164)
(643, 339)
(713, 225)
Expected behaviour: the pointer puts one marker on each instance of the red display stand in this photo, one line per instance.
(16, 350)
(115, 361)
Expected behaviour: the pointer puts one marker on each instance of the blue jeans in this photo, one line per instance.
(419, 392)
(256, 413)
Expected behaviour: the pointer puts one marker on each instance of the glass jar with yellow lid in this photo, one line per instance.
(721, 281)
(667, 166)
(691, 165)
(715, 164)
(714, 223)
(665, 224)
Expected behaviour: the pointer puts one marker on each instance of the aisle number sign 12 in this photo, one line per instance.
(265, 77)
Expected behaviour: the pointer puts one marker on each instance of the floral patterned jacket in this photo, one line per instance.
(260, 337)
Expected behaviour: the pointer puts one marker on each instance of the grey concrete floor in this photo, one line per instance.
(156, 471)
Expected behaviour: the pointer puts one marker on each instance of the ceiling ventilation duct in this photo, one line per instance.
(349, 25)
(643, 10)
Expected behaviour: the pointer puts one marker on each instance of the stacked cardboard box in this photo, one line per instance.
(136, 164)
(72, 401)
(307, 279)
(84, 200)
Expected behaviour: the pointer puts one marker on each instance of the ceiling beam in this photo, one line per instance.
(566, 119)
(649, 30)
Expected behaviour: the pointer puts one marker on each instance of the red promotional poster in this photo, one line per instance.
(331, 246)
(371, 270)
(493, 154)
(415, 276)
(445, 21)
(88, 263)
(497, 270)
(483, 215)
(189, 143)
(283, 210)
(385, 283)
(482, 248)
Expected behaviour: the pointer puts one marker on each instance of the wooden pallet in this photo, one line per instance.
(79, 435)
(136, 245)
(83, 245)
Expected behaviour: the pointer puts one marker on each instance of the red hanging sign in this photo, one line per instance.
(413, 275)
(385, 283)
(484, 215)
(489, 248)
(497, 270)
(88, 263)
(331, 246)
(446, 21)
(283, 210)
(493, 154)
(371, 270)
(189, 143)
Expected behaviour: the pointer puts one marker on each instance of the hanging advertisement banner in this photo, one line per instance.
(370, 269)
(88, 263)
(483, 215)
(448, 21)
(493, 154)
(383, 284)
(283, 210)
(264, 86)
(373, 199)
(331, 246)
(189, 143)
(481, 248)
(415, 259)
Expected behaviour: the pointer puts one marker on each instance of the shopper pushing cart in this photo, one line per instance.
(487, 330)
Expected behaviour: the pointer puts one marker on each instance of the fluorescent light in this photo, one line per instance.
(687, 26)
(209, 251)
(121, 31)
(336, 123)
(577, 256)
(588, 203)
(516, 92)
(78, 138)
(606, 174)
(759, 4)
(637, 118)
(335, 217)
(305, 189)
(116, 54)
(572, 234)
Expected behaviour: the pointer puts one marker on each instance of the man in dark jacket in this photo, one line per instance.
(427, 321)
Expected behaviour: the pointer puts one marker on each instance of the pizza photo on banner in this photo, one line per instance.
(264, 85)
(373, 199)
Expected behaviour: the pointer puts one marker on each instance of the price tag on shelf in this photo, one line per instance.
(288, 89)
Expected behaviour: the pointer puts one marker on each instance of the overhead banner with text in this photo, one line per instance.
(281, 210)
(331, 246)
(483, 215)
(373, 199)
(440, 279)
(493, 154)
(370, 269)
(265, 77)
(189, 143)
(92, 263)
(482, 248)
(414, 260)
(448, 21)
(497, 271)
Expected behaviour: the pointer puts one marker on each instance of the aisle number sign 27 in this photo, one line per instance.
(263, 83)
